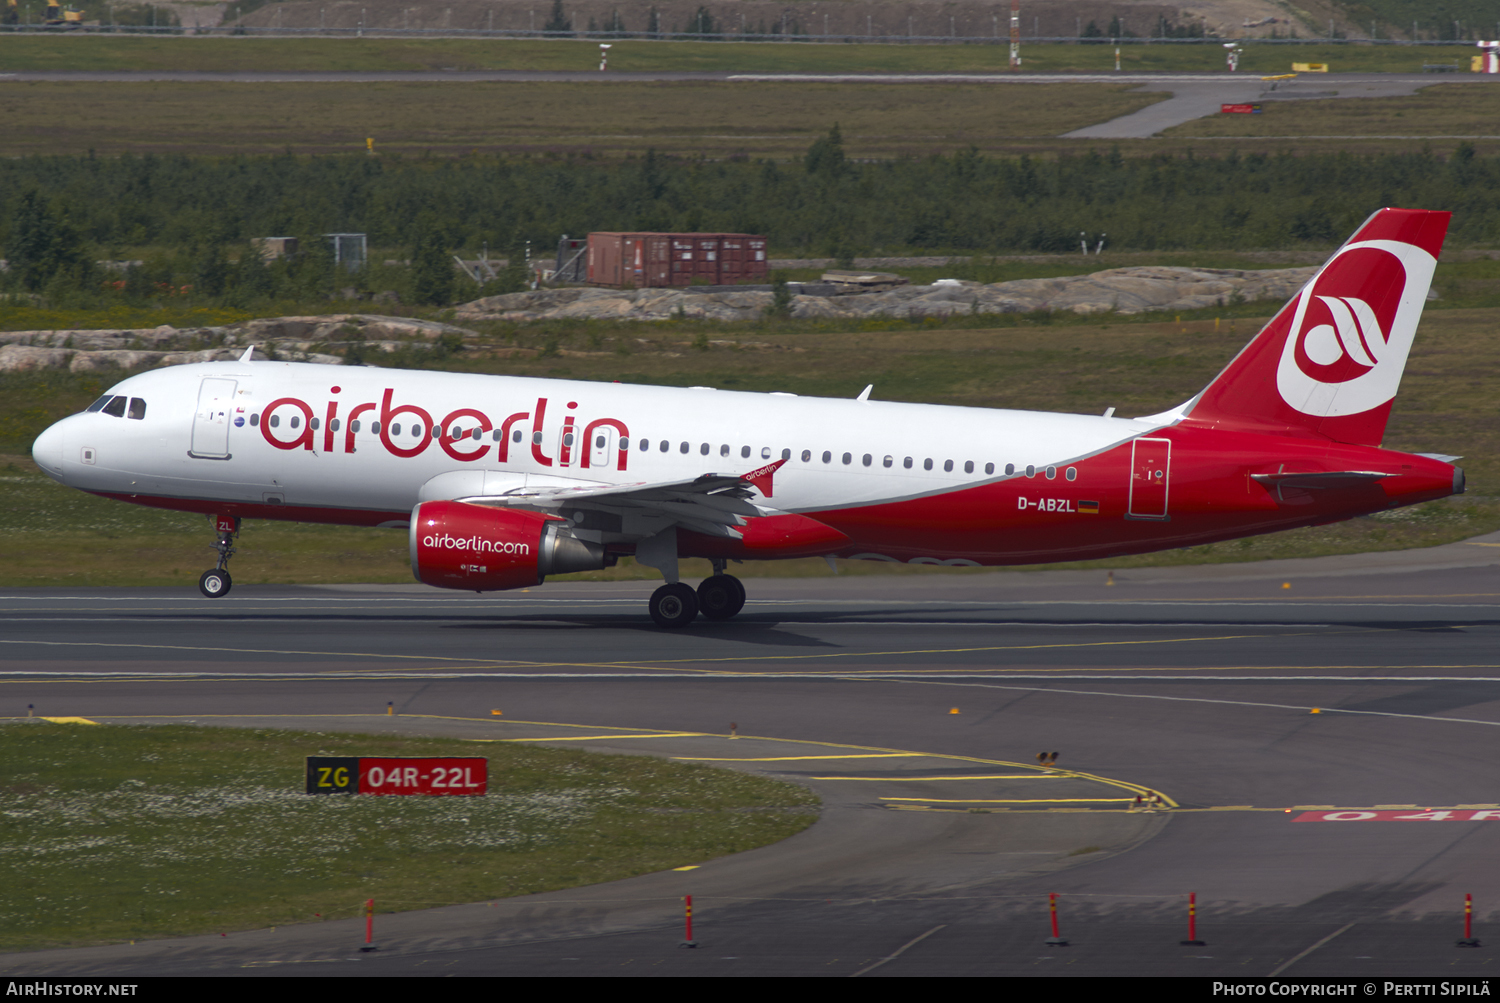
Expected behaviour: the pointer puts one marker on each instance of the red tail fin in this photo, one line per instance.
(1331, 361)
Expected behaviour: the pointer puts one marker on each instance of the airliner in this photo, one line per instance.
(501, 481)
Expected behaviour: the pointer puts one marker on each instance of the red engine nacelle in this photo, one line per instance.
(455, 545)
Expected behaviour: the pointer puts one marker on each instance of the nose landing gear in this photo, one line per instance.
(216, 582)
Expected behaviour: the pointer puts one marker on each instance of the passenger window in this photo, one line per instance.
(703, 449)
(665, 445)
(1010, 469)
(888, 460)
(906, 463)
(396, 429)
(847, 458)
(724, 449)
(495, 435)
(354, 425)
(827, 456)
(296, 420)
(765, 452)
(375, 428)
(745, 452)
(1030, 470)
(867, 459)
(598, 441)
(477, 433)
(1051, 473)
(683, 449)
(989, 468)
(1071, 473)
(312, 423)
(275, 420)
(255, 420)
(786, 454)
(98, 404)
(806, 455)
(333, 426)
(948, 466)
(568, 439)
(116, 407)
(137, 408)
(927, 464)
(416, 431)
(968, 466)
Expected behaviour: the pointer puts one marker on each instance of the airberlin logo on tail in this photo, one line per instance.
(1353, 327)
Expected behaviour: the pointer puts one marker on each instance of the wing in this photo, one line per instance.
(711, 504)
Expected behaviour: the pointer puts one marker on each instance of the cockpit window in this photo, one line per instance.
(100, 402)
(116, 407)
(137, 408)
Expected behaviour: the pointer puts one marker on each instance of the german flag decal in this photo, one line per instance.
(1088, 507)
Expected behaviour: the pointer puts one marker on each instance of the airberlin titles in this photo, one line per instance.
(460, 433)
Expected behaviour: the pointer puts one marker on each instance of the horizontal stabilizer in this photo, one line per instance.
(1320, 479)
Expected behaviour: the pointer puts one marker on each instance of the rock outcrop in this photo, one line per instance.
(297, 339)
(1123, 290)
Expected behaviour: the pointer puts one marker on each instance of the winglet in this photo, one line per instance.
(249, 353)
(761, 476)
(864, 394)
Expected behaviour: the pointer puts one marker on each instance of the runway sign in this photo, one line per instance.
(367, 775)
(1404, 815)
(1239, 109)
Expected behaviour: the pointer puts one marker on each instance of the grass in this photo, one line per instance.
(54, 536)
(250, 53)
(115, 833)
(1441, 110)
(711, 119)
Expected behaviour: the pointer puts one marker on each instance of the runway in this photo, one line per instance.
(1332, 843)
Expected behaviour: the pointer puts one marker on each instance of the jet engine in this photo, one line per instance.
(456, 545)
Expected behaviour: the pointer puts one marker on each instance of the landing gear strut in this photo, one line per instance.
(216, 582)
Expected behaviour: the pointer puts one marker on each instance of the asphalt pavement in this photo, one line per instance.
(1339, 840)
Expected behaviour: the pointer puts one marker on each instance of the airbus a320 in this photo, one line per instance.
(502, 481)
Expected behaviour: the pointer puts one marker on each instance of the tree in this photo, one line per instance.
(826, 155)
(42, 243)
(431, 272)
(559, 23)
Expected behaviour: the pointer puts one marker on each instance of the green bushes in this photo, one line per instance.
(58, 214)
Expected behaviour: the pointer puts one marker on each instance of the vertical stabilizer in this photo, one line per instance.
(1331, 361)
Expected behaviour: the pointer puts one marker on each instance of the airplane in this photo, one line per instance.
(502, 481)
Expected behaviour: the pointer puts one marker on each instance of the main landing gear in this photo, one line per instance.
(216, 582)
(718, 598)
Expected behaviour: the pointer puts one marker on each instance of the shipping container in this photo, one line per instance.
(570, 260)
(647, 260)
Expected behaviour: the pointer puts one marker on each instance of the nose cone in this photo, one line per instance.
(48, 451)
